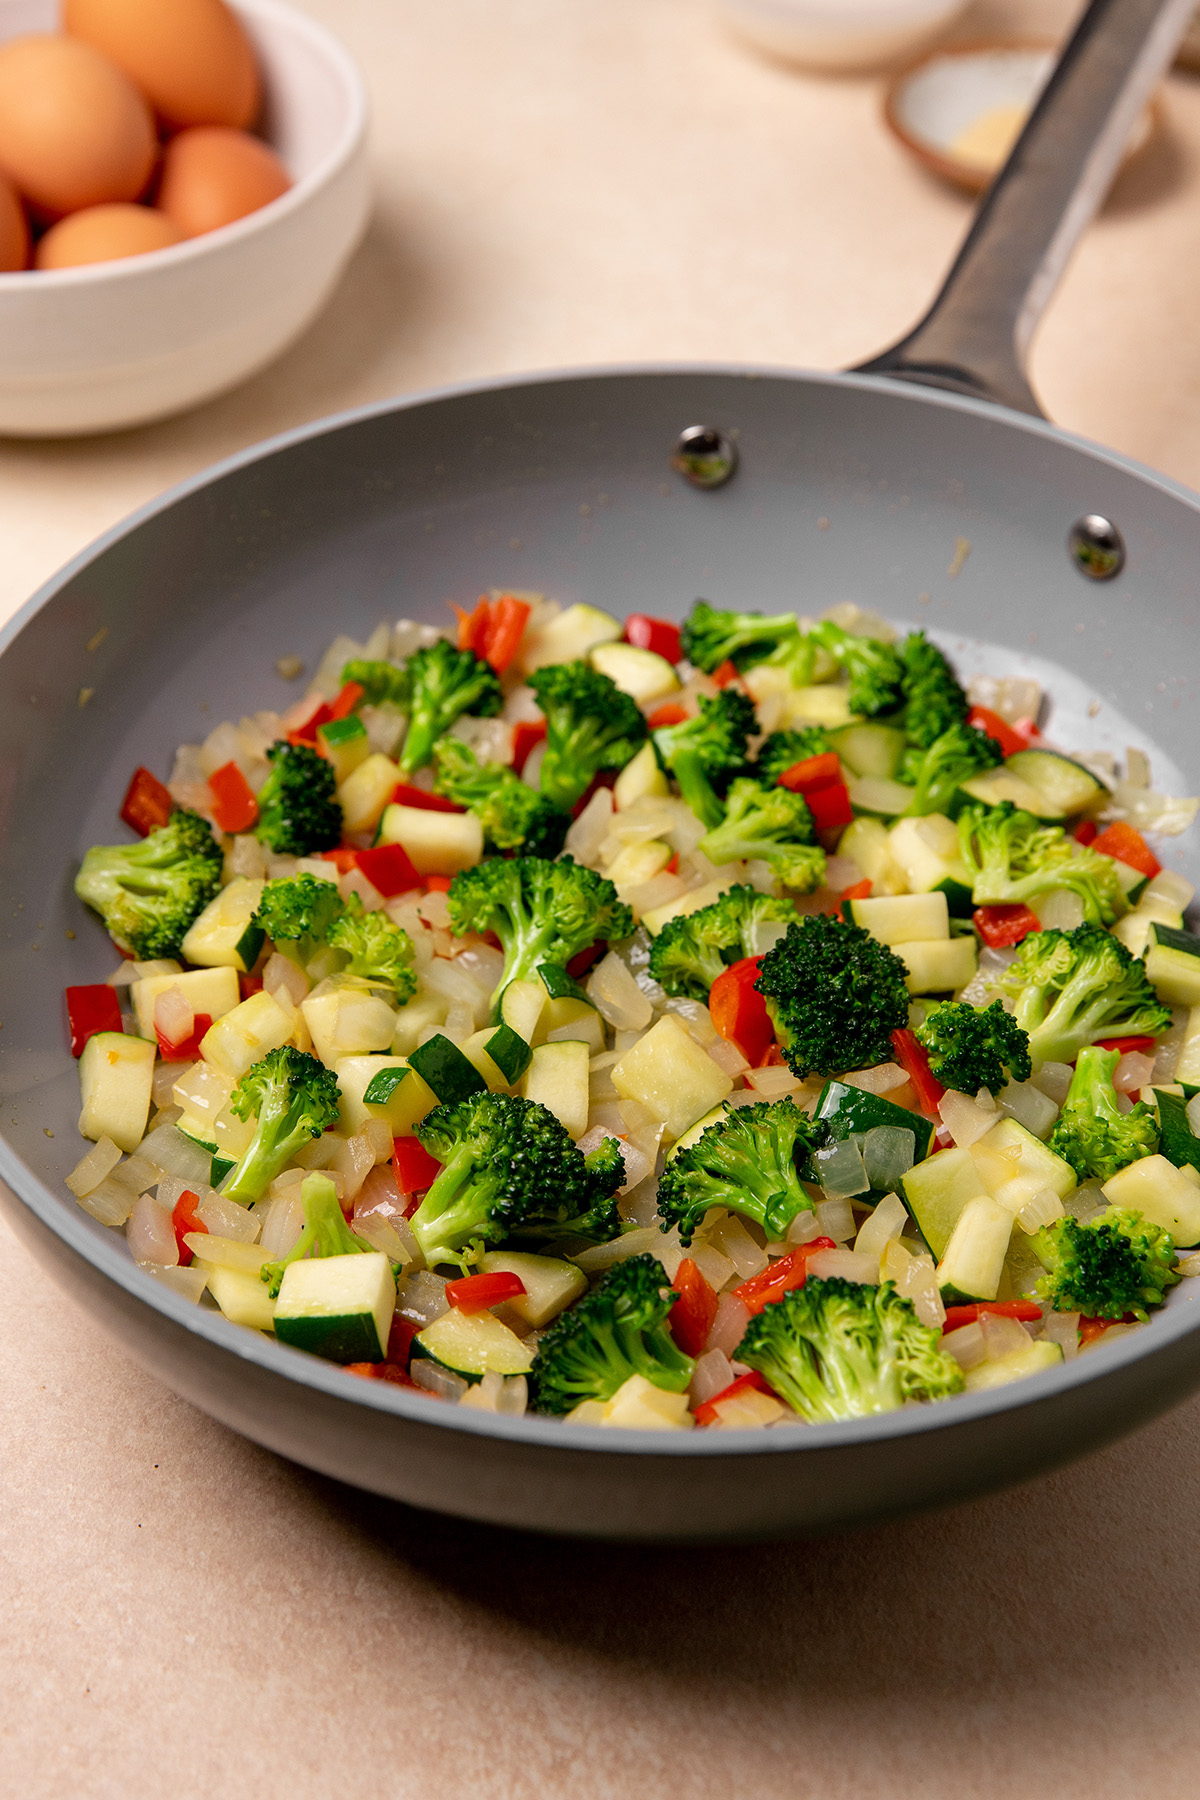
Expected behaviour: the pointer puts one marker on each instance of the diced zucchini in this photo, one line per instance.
(476, 1051)
(568, 637)
(1013, 1166)
(1161, 1193)
(640, 779)
(224, 935)
(338, 1307)
(450, 1074)
(939, 967)
(521, 1006)
(903, 918)
(557, 1078)
(642, 673)
(1188, 1067)
(937, 1191)
(574, 1019)
(871, 749)
(927, 852)
(366, 791)
(241, 1295)
(1179, 1143)
(345, 744)
(211, 990)
(1001, 784)
(116, 1076)
(1173, 965)
(1065, 786)
(637, 1405)
(551, 1285)
(974, 1258)
(1134, 929)
(414, 1020)
(242, 1036)
(658, 916)
(473, 1345)
(347, 1020)
(1042, 1354)
(845, 1111)
(828, 705)
(509, 1051)
(382, 1087)
(695, 1132)
(878, 794)
(671, 1076)
(436, 843)
(866, 842)
(1132, 882)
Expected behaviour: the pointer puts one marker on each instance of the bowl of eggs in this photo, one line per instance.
(181, 185)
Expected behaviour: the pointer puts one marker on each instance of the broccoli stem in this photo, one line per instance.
(687, 765)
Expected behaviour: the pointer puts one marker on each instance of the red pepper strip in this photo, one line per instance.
(860, 891)
(1086, 832)
(307, 733)
(658, 635)
(436, 884)
(1005, 1309)
(472, 625)
(778, 1279)
(707, 1413)
(693, 1313)
(528, 734)
(813, 772)
(344, 858)
(672, 868)
(724, 673)
(670, 714)
(1128, 846)
(189, 1049)
(739, 1012)
(910, 1054)
(249, 984)
(414, 1168)
(1141, 1046)
(89, 1010)
(1010, 741)
(184, 1219)
(147, 803)
(506, 628)
(346, 701)
(234, 806)
(830, 807)
(583, 960)
(1091, 1329)
(1002, 926)
(388, 868)
(404, 794)
(394, 1367)
(475, 1293)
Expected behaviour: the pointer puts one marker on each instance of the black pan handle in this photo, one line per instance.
(975, 336)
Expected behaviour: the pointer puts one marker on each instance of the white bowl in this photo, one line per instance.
(119, 343)
(840, 34)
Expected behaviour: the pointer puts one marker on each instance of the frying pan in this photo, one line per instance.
(867, 486)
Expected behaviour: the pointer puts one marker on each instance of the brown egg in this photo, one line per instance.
(191, 58)
(14, 231)
(212, 176)
(74, 131)
(105, 234)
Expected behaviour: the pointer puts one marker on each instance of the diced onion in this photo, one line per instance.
(966, 1344)
(617, 996)
(883, 1226)
(591, 827)
(964, 1118)
(1059, 910)
(1193, 1113)
(283, 1221)
(1134, 1071)
(1002, 1336)
(844, 1265)
(729, 1326)
(884, 1078)
(1063, 1329)
(436, 1380)
(1040, 1209)
(834, 1219)
(109, 1202)
(1148, 811)
(422, 1299)
(712, 1375)
(806, 1226)
(225, 1218)
(840, 1170)
(188, 1282)
(773, 1084)
(91, 1169)
(732, 1239)
(1054, 1080)
(167, 1149)
(150, 1233)
(633, 1243)
(1029, 1106)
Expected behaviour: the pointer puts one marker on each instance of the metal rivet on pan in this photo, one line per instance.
(1097, 547)
(705, 456)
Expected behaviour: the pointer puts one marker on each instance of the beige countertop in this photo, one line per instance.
(181, 1614)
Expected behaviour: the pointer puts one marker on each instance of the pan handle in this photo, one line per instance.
(975, 336)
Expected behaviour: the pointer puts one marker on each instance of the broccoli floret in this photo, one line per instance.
(838, 1349)
(383, 683)
(444, 683)
(692, 950)
(149, 893)
(542, 912)
(711, 636)
(292, 1098)
(934, 701)
(773, 824)
(784, 749)
(325, 1232)
(971, 1047)
(1073, 987)
(1114, 1264)
(297, 913)
(591, 724)
(745, 1161)
(618, 1330)
(379, 951)
(1015, 858)
(1091, 1132)
(513, 816)
(705, 753)
(835, 995)
(298, 811)
(873, 669)
(510, 1169)
(939, 771)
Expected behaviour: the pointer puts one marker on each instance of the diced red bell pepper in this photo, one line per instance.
(1128, 1046)
(830, 807)
(307, 733)
(249, 984)
(1002, 926)
(693, 1313)
(185, 1218)
(724, 673)
(147, 803)
(672, 868)
(527, 735)
(472, 626)
(1086, 832)
(405, 794)
(414, 1168)
(860, 891)
(658, 635)
(189, 1049)
(234, 806)
(779, 1278)
(707, 1414)
(388, 868)
(910, 1054)
(813, 772)
(89, 1010)
(1128, 846)
(739, 1011)
(437, 884)
(1091, 1329)
(583, 960)
(494, 630)
(1009, 740)
(957, 1316)
(476, 1293)
(400, 1337)
(346, 701)
(671, 713)
(344, 858)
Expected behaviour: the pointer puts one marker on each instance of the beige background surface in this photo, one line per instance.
(569, 181)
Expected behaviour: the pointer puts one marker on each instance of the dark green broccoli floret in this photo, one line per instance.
(934, 701)
(513, 816)
(873, 669)
(591, 724)
(939, 771)
(1116, 1263)
(838, 1349)
(298, 811)
(711, 636)
(510, 1169)
(325, 1232)
(444, 683)
(296, 912)
(835, 995)
(378, 950)
(292, 1098)
(705, 753)
(1091, 1132)
(383, 683)
(618, 1330)
(692, 950)
(542, 912)
(1074, 987)
(745, 1161)
(1015, 858)
(773, 824)
(148, 894)
(784, 749)
(972, 1047)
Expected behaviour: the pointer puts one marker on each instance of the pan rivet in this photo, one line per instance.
(1097, 547)
(705, 456)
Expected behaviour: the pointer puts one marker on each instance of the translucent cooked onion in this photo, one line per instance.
(283, 1221)
(712, 1375)
(190, 1283)
(169, 1150)
(225, 1218)
(461, 987)
(966, 1345)
(1025, 1102)
(731, 1238)
(422, 1299)
(1002, 1336)
(729, 1326)
(806, 1226)
(436, 1381)
(772, 1084)
(1054, 1080)
(835, 1219)
(884, 1078)
(1059, 910)
(591, 827)
(1134, 1071)
(844, 1265)
(109, 1202)
(883, 1226)
(965, 1119)
(150, 1233)
(91, 1169)
(840, 1170)
(1040, 1209)
(173, 1016)
(616, 995)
